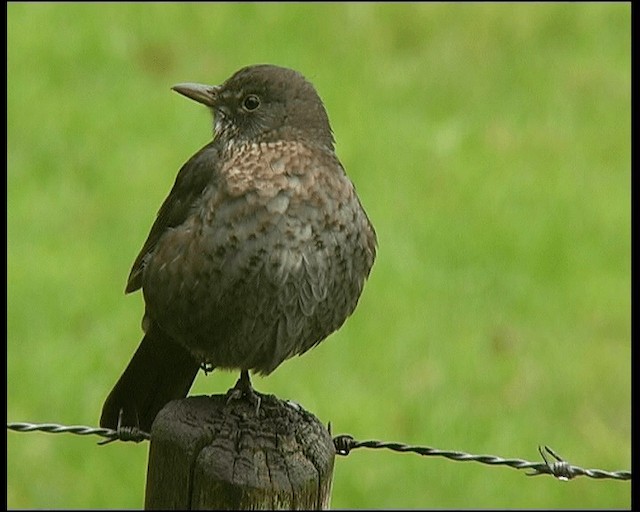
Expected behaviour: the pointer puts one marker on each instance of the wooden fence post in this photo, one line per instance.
(206, 453)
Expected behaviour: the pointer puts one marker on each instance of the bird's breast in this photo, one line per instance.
(276, 238)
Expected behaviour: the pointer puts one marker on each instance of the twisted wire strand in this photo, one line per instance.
(131, 434)
(552, 463)
(559, 468)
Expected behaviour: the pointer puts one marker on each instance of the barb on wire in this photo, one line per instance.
(560, 469)
(552, 463)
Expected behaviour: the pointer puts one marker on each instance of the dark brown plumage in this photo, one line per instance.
(259, 252)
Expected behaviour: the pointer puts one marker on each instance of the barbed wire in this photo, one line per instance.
(559, 468)
(344, 444)
(131, 434)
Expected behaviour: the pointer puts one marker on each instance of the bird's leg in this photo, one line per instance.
(242, 389)
(244, 382)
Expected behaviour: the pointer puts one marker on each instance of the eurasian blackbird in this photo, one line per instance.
(259, 252)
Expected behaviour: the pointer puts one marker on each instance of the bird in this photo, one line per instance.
(259, 252)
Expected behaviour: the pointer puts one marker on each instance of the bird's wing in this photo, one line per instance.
(192, 178)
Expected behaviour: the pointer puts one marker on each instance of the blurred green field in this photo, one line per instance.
(490, 145)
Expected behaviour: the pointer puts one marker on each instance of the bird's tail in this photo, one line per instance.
(161, 370)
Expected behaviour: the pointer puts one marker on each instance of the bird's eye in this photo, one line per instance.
(251, 102)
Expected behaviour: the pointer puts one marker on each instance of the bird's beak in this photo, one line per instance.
(205, 94)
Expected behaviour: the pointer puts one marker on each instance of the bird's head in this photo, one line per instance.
(263, 103)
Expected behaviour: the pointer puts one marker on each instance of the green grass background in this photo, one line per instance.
(490, 144)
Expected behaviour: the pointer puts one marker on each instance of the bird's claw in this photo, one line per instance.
(243, 389)
(206, 367)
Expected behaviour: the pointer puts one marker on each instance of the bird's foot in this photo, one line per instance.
(206, 367)
(243, 389)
